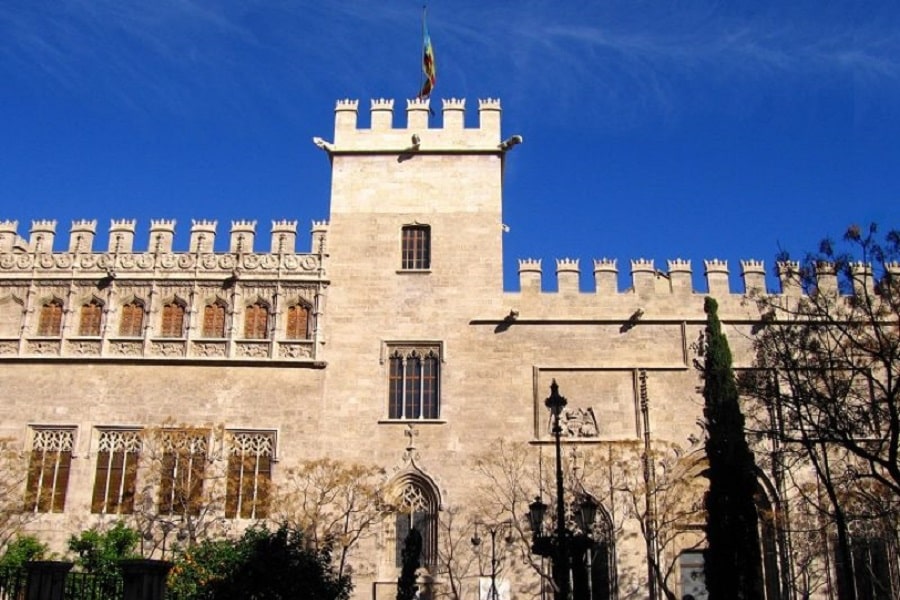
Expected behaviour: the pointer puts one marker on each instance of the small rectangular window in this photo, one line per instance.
(416, 247)
(414, 382)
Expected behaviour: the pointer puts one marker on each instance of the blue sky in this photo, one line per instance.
(658, 129)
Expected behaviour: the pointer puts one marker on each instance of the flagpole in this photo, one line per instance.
(424, 29)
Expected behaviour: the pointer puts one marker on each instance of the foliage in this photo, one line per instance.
(273, 565)
(12, 478)
(98, 552)
(200, 568)
(23, 549)
(732, 562)
(412, 550)
(828, 367)
(182, 493)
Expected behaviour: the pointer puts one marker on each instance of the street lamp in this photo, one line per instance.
(558, 545)
(493, 530)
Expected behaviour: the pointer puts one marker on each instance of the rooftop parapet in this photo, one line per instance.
(567, 275)
(606, 276)
(826, 278)
(284, 237)
(530, 275)
(121, 235)
(753, 273)
(162, 233)
(384, 137)
(789, 276)
(643, 276)
(863, 281)
(680, 276)
(242, 234)
(717, 277)
(203, 236)
(41, 236)
(81, 236)
(319, 236)
(8, 235)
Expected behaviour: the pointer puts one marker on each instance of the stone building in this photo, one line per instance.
(390, 342)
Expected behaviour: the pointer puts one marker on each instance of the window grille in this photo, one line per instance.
(48, 470)
(114, 482)
(249, 474)
(416, 247)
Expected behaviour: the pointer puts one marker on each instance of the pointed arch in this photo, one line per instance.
(12, 309)
(131, 320)
(50, 318)
(299, 321)
(256, 320)
(90, 317)
(215, 314)
(171, 324)
(416, 500)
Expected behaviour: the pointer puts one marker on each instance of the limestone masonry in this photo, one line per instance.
(389, 342)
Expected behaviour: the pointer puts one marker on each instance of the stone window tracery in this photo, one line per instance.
(416, 509)
(91, 316)
(50, 319)
(132, 319)
(415, 247)
(48, 469)
(118, 451)
(182, 471)
(414, 383)
(249, 480)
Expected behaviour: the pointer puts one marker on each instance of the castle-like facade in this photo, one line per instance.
(390, 342)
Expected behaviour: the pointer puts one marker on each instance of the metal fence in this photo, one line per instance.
(78, 585)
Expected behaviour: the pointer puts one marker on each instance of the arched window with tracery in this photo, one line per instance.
(172, 324)
(11, 311)
(414, 383)
(50, 320)
(299, 322)
(214, 320)
(132, 322)
(256, 321)
(417, 506)
(91, 315)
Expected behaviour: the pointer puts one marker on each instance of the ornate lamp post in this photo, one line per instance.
(558, 545)
(493, 530)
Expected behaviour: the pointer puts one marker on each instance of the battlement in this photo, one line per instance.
(649, 281)
(383, 135)
(160, 240)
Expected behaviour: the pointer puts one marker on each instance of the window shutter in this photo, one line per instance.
(130, 481)
(32, 491)
(90, 319)
(233, 486)
(166, 482)
(172, 320)
(132, 320)
(64, 463)
(194, 486)
(214, 321)
(100, 480)
(50, 322)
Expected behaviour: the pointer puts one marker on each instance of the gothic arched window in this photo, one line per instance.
(91, 314)
(256, 321)
(417, 510)
(50, 320)
(299, 322)
(214, 320)
(172, 324)
(132, 322)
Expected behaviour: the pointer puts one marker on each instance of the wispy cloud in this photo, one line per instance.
(177, 52)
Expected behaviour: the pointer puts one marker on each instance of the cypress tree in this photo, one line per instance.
(732, 560)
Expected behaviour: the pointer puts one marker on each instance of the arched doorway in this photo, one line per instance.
(593, 562)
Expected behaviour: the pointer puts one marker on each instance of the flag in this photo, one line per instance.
(428, 67)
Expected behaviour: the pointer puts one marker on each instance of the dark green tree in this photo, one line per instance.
(277, 565)
(732, 560)
(23, 549)
(410, 557)
(99, 552)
